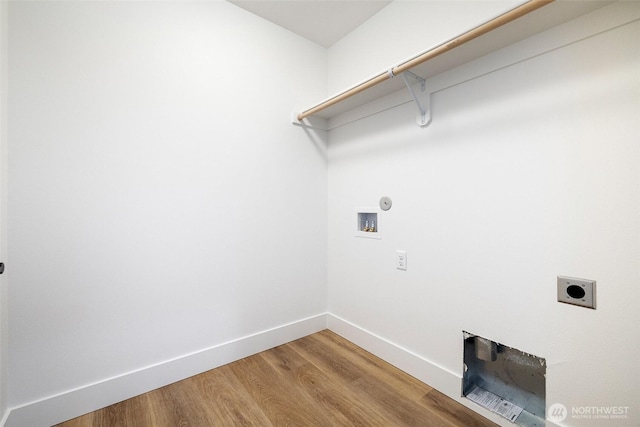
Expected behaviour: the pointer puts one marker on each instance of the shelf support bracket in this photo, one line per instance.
(421, 97)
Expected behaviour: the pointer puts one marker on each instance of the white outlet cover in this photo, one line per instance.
(401, 260)
(581, 292)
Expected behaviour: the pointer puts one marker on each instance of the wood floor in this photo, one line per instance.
(319, 380)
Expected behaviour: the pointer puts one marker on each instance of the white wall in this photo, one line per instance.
(161, 204)
(525, 173)
(3, 192)
(389, 37)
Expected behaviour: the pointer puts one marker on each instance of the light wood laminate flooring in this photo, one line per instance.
(318, 380)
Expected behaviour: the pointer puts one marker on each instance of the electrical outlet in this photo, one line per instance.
(401, 260)
(574, 291)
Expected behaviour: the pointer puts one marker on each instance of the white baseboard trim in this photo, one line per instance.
(73, 403)
(430, 373)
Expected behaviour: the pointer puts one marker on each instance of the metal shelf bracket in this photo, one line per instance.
(420, 96)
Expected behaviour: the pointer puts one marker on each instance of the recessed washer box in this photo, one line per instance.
(576, 291)
(367, 223)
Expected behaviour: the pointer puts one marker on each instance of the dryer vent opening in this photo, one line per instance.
(504, 380)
